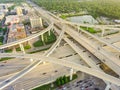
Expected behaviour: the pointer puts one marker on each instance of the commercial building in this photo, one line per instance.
(36, 22)
(117, 21)
(3, 8)
(16, 32)
(19, 11)
(34, 19)
(12, 19)
(1, 15)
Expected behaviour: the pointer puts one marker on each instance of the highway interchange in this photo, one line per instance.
(81, 38)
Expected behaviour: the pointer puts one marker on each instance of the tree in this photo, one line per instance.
(64, 77)
(58, 82)
(66, 80)
(62, 82)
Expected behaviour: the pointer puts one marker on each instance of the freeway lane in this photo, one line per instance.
(104, 56)
(56, 19)
(31, 66)
(63, 62)
(71, 33)
(93, 72)
(100, 40)
(55, 44)
(19, 75)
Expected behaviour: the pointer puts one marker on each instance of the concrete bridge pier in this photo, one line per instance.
(22, 48)
(78, 28)
(31, 60)
(41, 24)
(103, 31)
(71, 73)
(44, 62)
(14, 50)
(49, 32)
(108, 86)
(42, 37)
(29, 42)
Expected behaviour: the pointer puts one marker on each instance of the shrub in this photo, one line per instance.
(27, 47)
(38, 43)
(8, 50)
(49, 39)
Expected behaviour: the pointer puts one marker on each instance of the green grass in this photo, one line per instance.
(3, 30)
(38, 43)
(1, 43)
(45, 87)
(89, 29)
(63, 16)
(49, 39)
(4, 59)
(11, 1)
(1, 40)
(11, 8)
(8, 50)
(27, 47)
(18, 49)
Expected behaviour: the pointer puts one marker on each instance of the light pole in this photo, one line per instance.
(31, 60)
(52, 85)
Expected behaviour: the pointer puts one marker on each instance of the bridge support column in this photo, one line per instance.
(78, 28)
(14, 50)
(108, 86)
(22, 48)
(103, 31)
(41, 24)
(44, 62)
(71, 73)
(49, 32)
(31, 60)
(42, 37)
(30, 44)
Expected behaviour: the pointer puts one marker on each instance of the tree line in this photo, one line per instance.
(109, 8)
(10, 1)
(59, 6)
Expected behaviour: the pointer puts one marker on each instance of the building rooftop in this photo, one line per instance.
(16, 32)
(12, 19)
(117, 21)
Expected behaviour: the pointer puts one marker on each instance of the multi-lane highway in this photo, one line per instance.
(31, 66)
(95, 48)
(89, 45)
(113, 59)
(76, 66)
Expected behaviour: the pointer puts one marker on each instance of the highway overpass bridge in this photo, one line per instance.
(82, 37)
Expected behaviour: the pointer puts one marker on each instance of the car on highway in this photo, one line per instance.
(7, 81)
